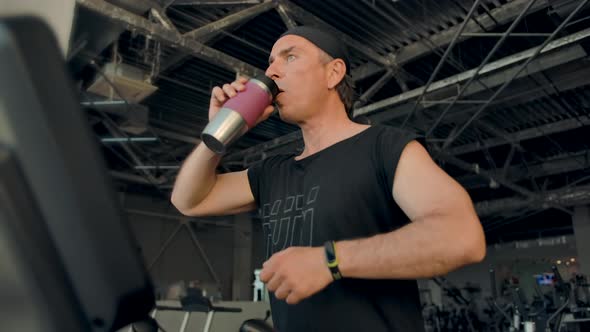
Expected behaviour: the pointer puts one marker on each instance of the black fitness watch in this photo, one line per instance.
(332, 260)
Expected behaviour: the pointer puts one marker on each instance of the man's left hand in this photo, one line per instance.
(296, 273)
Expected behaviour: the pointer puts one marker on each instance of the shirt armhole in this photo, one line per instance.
(391, 145)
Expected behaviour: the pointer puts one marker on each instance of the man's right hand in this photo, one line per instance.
(220, 95)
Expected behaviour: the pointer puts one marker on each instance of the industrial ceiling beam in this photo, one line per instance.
(446, 54)
(159, 14)
(474, 168)
(501, 64)
(460, 128)
(310, 19)
(362, 100)
(562, 197)
(289, 22)
(446, 91)
(137, 178)
(563, 78)
(209, 31)
(230, 20)
(115, 132)
(213, 2)
(551, 166)
(466, 85)
(158, 32)
(175, 136)
(568, 77)
(502, 15)
(174, 60)
(522, 135)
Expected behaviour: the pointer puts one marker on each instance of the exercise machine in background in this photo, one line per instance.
(566, 309)
(69, 262)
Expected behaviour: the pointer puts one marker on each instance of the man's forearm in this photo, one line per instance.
(421, 249)
(196, 178)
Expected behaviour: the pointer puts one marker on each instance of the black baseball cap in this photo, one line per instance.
(323, 40)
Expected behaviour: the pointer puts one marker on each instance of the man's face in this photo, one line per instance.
(295, 66)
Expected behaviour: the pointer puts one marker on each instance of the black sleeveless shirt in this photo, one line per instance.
(342, 192)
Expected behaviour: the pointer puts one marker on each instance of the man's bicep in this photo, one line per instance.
(422, 188)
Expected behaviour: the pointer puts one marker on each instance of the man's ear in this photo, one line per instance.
(336, 72)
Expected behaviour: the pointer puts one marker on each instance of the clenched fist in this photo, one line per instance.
(296, 273)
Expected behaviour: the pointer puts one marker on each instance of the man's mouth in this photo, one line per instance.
(280, 91)
(276, 100)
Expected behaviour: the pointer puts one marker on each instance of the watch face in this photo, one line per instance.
(331, 257)
(330, 252)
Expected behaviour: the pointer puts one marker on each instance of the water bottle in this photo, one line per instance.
(243, 110)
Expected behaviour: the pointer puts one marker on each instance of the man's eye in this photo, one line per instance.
(290, 58)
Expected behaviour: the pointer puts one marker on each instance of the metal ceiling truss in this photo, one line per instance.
(569, 77)
(562, 197)
(443, 59)
(464, 87)
(459, 129)
(167, 36)
(502, 15)
(522, 67)
(560, 164)
(525, 134)
(216, 29)
(504, 64)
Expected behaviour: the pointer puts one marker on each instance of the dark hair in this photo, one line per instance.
(345, 87)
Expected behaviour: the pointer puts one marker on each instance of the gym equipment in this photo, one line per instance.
(581, 291)
(460, 317)
(562, 288)
(194, 301)
(260, 292)
(543, 314)
(257, 325)
(60, 222)
(564, 309)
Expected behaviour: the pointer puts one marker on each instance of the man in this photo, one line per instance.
(342, 254)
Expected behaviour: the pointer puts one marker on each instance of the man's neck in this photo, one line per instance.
(327, 129)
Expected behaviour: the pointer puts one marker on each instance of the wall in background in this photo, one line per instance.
(522, 259)
(182, 261)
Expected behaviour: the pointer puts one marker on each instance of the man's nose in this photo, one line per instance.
(272, 71)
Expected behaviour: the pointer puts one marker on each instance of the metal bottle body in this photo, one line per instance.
(240, 112)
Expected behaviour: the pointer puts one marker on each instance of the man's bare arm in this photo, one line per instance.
(445, 232)
(199, 191)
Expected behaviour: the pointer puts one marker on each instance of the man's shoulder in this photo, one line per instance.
(275, 160)
(386, 137)
(391, 130)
